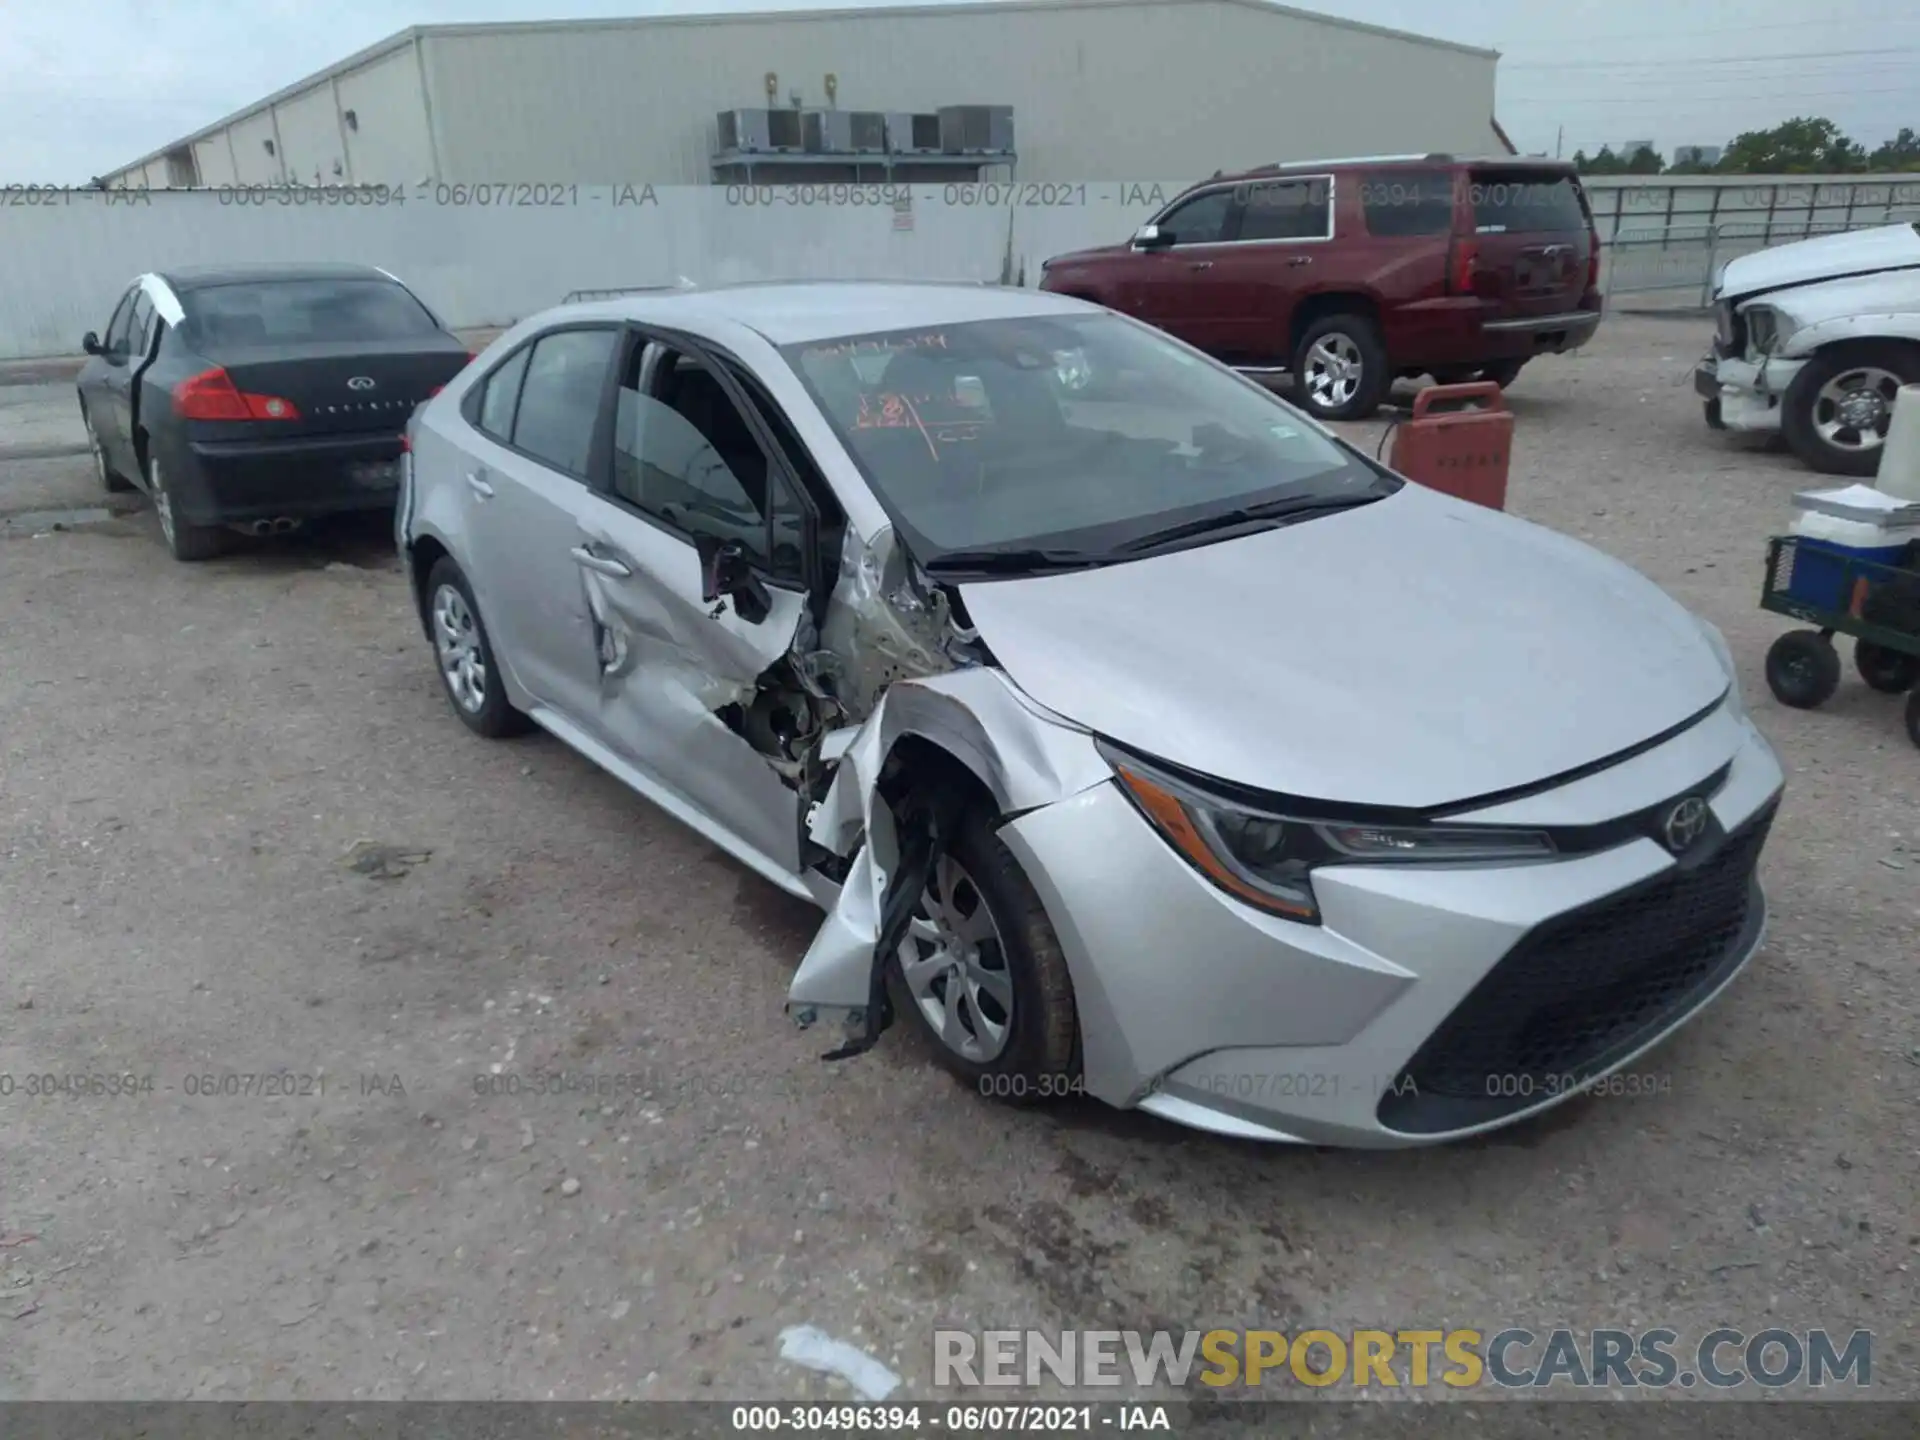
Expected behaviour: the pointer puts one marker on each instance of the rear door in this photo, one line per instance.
(536, 423)
(353, 355)
(1533, 239)
(1280, 251)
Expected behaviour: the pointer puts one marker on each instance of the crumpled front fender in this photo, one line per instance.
(1026, 757)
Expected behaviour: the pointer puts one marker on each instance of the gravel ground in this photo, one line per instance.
(191, 749)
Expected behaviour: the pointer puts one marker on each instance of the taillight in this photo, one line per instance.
(1466, 256)
(212, 395)
(1593, 260)
(435, 391)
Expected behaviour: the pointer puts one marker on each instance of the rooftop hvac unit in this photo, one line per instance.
(913, 134)
(844, 132)
(753, 132)
(976, 129)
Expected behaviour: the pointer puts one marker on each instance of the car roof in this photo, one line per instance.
(796, 312)
(199, 277)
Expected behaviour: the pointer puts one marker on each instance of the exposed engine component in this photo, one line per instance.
(887, 622)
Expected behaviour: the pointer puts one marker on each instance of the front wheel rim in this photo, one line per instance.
(1333, 370)
(955, 965)
(456, 636)
(1854, 409)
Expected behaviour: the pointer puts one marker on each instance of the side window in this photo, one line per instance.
(1202, 220)
(1287, 209)
(117, 328)
(502, 394)
(670, 465)
(560, 399)
(1408, 202)
(140, 328)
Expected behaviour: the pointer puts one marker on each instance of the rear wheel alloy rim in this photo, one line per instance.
(458, 640)
(162, 503)
(955, 966)
(99, 455)
(1333, 370)
(1853, 410)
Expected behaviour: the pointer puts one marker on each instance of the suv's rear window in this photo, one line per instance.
(1408, 202)
(272, 312)
(1526, 201)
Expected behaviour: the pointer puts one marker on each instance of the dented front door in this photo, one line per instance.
(669, 663)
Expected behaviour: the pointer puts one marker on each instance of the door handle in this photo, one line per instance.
(1301, 260)
(478, 486)
(1199, 264)
(587, 559)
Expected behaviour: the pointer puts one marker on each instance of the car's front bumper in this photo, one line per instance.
(226, 482)
(1742, 394)
(1203, 1010)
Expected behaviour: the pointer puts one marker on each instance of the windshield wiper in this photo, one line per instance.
(1009, 562)
(1275, 510)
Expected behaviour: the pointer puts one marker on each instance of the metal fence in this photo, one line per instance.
(1673, 234)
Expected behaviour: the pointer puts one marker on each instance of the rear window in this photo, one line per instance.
(1408, 202)
(295, 311)
(1519, 200)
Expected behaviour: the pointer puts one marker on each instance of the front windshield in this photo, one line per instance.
(1074, 433)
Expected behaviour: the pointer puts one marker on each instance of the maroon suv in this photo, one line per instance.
(1348, 273)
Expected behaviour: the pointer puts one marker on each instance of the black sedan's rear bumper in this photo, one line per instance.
(227, 482)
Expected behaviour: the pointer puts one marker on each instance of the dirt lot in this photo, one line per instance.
(189, 750)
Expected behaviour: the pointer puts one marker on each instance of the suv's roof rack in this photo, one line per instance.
(1431, 158)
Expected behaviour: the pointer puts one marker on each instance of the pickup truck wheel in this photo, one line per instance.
(1837, 410)
(1340, 368)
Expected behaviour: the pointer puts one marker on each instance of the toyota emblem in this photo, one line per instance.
(360, 382)
(1686, 822)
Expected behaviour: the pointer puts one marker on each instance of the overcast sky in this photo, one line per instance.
(87, 86)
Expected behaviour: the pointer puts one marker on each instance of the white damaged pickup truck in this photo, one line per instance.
(1814, 340)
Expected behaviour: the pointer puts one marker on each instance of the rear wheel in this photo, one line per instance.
(1803, 669)
(1891, 672)
(1913, 717)
(184, 541)
(1340, 368)
(983, 972)
(1838, 409)
(467, 668)
(1502, 372)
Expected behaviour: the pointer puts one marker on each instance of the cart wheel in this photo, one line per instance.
(1891, 672)
(1913, 717)
(1803, 669)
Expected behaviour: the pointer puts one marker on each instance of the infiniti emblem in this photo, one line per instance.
(1686, 822)
(360, 382)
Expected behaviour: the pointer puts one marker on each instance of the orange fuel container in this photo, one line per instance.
(1460, 452)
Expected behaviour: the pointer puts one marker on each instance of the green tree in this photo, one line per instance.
(1605, 163)
(1900, 153)
(1645, 161)
(1804, 145)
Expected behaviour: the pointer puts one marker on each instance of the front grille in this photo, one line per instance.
(1584, 990)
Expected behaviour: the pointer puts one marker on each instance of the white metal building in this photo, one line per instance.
(1099, 90)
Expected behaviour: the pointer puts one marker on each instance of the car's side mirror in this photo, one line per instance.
(90, 343)
(727, 574)
(1152, 237)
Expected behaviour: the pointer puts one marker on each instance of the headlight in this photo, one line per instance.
(1763, 328)
(1723, 322)
(1267, 859)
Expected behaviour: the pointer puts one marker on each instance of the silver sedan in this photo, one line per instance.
(1138, 738)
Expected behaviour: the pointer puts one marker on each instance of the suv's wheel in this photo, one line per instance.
(982, 971)
(1837, 410)
(1340, 368)
(110, 480)
(465, 655)
(1502, 372)
(184, 541)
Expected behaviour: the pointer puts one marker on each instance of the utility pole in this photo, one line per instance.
(1559, 136)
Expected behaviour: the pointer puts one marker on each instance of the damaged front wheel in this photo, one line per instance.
(983, 972)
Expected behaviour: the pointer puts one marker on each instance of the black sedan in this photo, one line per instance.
(255, 398)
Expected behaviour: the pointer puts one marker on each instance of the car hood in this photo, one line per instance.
(1858, 252)
(1073, 257)
(1416, 652)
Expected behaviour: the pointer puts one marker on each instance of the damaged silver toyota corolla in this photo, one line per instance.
(1139, 738)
